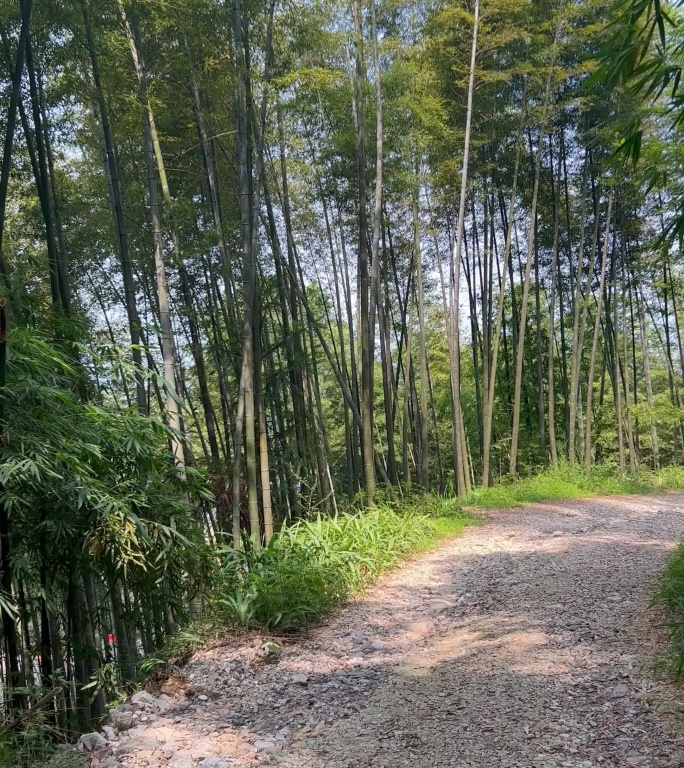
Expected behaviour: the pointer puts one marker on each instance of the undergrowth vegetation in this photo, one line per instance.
(671, 597)
(573, 483)
(313, 566)
(31, 748)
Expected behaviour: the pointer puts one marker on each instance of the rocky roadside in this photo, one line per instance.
(242, 704)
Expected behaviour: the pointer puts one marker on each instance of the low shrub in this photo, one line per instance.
(312, 566)
(276, 588)
(32, 747)
(671, 597)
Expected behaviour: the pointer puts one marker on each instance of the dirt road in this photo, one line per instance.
(527, 643)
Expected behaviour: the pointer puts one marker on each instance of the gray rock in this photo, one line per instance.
(179, 761)
(109, 733)
(164, 704)
(92, 741)
(300, 679)
(262, 744)
(110, 762)
(121, 719)
(143, 698)
(214, 762)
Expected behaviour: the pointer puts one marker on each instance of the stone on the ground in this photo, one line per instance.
(143, 698)
(91, 742)
(121, 719)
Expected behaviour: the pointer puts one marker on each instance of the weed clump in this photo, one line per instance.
(671, 597)
(313, 566)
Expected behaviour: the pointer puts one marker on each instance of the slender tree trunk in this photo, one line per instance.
(387, 376)
(513, 463)
(364, 325)
(248, 279)
(486, 285)
(264, 464)
(471, 282)
(349, 445)
(168, 354)
(352, 355)
(561, 306)
(294, 340)
(377, 204)
(489, 405)
(582, 307)
(541, 425)
(579, 316)
(116, 189)
(633, 336)
(9, 627)
(617, 383)
(555, 273)
(676, 318)
(647, 377)
(213, 187)
(423, 477)
(59, 286)
(56, 206)
(260, 131)
(408, 374)
(463, 475)
(625, 354)
(595, 339)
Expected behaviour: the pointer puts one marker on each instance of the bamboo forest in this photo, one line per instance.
(283, 276)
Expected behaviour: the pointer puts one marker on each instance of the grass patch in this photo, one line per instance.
(572, 483)
(453, 525)
(314, 566)
(32, 748)
(671, 597)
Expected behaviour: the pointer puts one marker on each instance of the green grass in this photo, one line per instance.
(313, 566)
(452, 526)
(32, 748)
(573, 483)
(671, 597)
